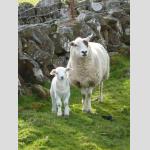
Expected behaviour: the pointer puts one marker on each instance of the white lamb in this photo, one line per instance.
(90, 63)
(60, 90)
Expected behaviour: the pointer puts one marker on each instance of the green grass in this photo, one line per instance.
(34, 2)
(39, 129)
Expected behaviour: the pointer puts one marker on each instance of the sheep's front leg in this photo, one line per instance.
(86, 99)
(84, 102)
(59, 105)
(89, 93)
(66, 105)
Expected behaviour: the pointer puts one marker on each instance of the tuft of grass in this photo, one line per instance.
(39, 129)
(34, 2)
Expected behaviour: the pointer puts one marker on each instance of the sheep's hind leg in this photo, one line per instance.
(101, 92)
(100, 97)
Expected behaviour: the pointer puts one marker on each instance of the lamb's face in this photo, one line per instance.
(79, 47)
(60, 73)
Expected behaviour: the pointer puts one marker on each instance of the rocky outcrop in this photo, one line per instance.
(44, 32)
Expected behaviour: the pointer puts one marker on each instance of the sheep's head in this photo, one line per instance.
(60, 72)
(80, 46)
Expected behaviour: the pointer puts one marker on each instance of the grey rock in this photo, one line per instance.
(43, 37)
(124, 49)
(29, 69)
(41, 91)
(96, 6)
(45, 3)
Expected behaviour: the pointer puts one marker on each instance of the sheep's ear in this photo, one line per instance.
(88, 38)
(53, 72)
(68, 69)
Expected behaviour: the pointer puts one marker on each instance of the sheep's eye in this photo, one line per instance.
(73, 44)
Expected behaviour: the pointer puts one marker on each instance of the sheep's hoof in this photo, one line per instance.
(66, 116)
(99, 99)
(87, 111)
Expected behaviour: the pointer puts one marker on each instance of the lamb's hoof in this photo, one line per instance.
(66, 113)
(54, 111)
(59, 114)
(66, 116)
(100, 101)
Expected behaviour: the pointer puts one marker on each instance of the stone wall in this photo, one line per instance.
(43, 37)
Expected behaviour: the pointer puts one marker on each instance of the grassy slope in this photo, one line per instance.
(39, 129)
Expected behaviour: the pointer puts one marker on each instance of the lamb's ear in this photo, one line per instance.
(87, 39)
(68, 69)
(53, 72)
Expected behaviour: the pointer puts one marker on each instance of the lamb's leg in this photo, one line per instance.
(101, 92)
(54, 107)
(84, 102)
(59, 105)
(66, 105)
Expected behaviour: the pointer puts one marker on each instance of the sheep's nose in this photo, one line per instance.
(62, 77)
(84, 53)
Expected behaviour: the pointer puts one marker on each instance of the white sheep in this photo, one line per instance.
(60, 90)
(90, 63)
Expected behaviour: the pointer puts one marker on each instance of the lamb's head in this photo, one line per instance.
(80, 46)
(60, 72)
